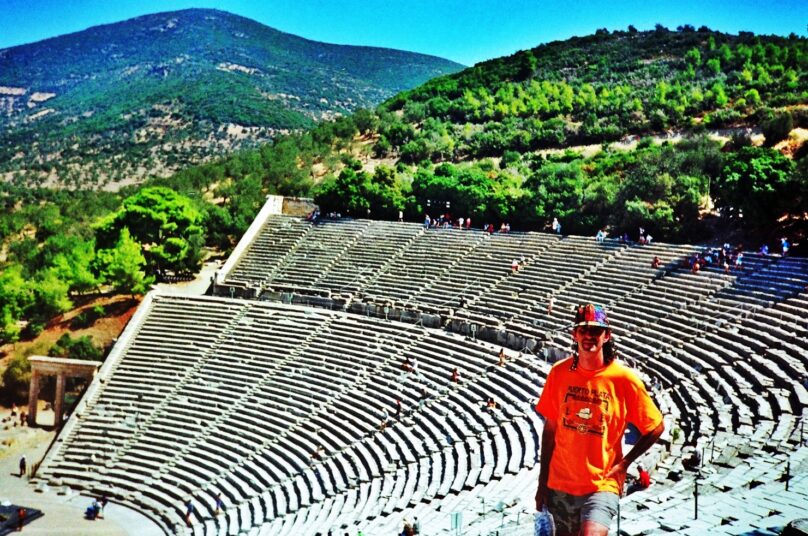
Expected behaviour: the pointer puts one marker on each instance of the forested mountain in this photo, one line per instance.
(151, 95)
(602, 87)
(692, 134)
(686, 125)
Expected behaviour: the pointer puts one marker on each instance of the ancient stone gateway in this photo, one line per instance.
(61, 368)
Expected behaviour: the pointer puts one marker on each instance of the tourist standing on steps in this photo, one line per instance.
(21, 513)
(189, 512)
(385, 420)
(739, 261)
(587, 402)
(23, 465)
(219, 504)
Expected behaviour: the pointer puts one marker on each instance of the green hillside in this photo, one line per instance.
(150, 95)
(603, 87)
(694, 135)
(687, 133)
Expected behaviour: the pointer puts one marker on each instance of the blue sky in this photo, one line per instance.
(466, 31)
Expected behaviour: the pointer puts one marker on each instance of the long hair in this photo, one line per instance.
(609, 351)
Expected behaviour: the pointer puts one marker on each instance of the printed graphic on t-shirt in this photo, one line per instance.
(584, 410)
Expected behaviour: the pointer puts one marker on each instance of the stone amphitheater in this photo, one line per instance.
(298, 346)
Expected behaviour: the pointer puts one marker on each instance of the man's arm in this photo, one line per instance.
(545, 455)
(618, 472)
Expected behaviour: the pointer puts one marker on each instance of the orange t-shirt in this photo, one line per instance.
(591, 409)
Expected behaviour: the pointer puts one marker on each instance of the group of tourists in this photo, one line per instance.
(517, 264)
(725, 257)
(445, 221)
(16, 417)
(785, 246)
(645, 237)
(601, 236)
(411, 529)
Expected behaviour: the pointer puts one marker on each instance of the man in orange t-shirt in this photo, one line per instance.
(587, 402)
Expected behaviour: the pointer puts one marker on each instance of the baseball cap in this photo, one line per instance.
(590, 315)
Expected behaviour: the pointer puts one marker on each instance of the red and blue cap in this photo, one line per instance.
(590, 315)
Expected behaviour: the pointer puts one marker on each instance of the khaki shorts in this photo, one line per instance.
(570, 511)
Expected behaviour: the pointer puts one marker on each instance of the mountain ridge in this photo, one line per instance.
(692, 131)
(204, 82)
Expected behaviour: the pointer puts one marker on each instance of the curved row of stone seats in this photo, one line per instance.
(779, 279)
(445, 472)
(323, 245)
(750, 498)
(223, 396)
(410, 274)
(677, 345)
(481, 269)
(656, 294)
(448, 472)
(436, 268)
(422, 261)
(569, 259)
(374, 251)
(277, 238)
(620, 276)
(673, 290)
(715, 396)
(156, 443)
(451, 474)
(706, 349)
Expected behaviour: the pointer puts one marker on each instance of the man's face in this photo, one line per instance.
(590, 339)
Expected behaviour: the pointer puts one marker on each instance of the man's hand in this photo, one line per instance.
(618, 472)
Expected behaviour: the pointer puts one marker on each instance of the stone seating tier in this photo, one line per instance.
(252, 406)
(725, 348)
